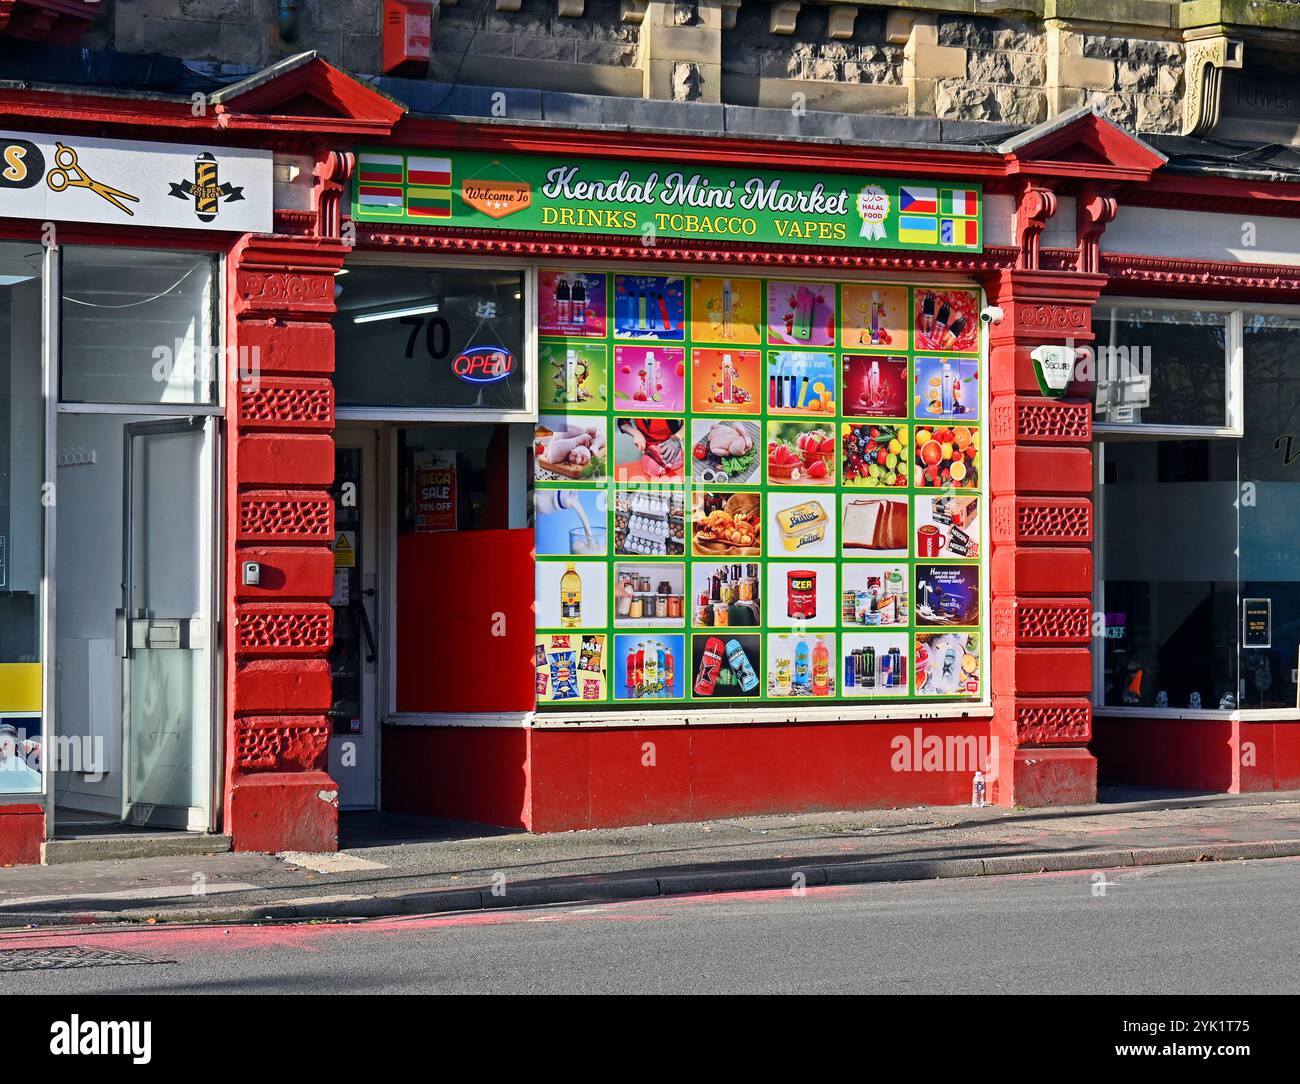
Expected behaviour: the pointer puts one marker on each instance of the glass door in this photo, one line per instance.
(354, 714)
(164, 623)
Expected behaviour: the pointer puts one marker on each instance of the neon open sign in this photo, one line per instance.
(484, 364)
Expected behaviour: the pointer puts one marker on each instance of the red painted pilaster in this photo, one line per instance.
(1041, 531)
(280, 464)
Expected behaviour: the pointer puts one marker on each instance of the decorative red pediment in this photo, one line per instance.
(307, 94)
(1081, 145)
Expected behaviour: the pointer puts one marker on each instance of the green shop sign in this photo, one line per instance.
(699, 203)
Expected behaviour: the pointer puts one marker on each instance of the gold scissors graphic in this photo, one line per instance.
(68, 174)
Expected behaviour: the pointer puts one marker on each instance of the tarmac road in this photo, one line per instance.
(1204, 928)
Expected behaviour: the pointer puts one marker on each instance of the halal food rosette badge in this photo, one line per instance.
(800, 454)
(947, 457)
(875, 455)
(727, 524)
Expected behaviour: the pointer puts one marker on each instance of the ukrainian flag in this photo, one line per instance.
(918, 230)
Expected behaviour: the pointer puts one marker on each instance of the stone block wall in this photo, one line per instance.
(822, 54)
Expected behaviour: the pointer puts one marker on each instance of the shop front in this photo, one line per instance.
(166, 263)
(112, 373)
(710, 483)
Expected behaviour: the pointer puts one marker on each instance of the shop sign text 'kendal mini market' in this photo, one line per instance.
(533, 193)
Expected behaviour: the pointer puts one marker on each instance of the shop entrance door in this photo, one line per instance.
(163, 625)
(354, 657)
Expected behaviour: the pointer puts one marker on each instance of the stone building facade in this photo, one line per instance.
(1147, 64)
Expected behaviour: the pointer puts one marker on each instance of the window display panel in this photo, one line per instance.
(751, 490)
(139, 326)
(1160, 366)
(1270, 512)
(1170, 573)
(22, 520)
(438, 338)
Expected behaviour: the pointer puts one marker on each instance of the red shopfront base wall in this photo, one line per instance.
(1197, 754)
(557, 780)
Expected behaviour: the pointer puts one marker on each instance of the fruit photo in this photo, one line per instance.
(947, 457)
(799, 454)
(874, 455)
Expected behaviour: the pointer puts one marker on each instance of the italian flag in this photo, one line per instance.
(430, 172)
(959, 201)
(428, 202)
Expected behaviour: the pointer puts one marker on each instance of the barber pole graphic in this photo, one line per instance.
(207, 198)
(206, 190)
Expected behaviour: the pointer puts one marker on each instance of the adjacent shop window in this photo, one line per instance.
(1168, 560)
(756, 491)
(22, 534)
(1201, 589)
(138, 326)
(428, 337)
(1270, 512)
(1161, 367)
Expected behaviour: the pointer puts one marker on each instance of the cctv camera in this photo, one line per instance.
(991, 314)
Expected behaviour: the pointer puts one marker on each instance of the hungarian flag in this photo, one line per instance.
(428, 172)
(918, 201)
(960, 201)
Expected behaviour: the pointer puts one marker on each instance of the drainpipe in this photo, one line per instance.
(288, 20)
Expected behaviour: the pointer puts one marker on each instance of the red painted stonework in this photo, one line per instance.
(1041, 570)
(280, 459)
(267, 349)
(1041, 529)
(287, 403)
(285, 458)
(1019, 620)
(22, 828)
(287, 572)
(1025, 469)
(291, 810)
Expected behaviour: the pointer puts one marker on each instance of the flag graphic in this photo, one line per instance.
(959, 201)
(379, 183)
(959, 231)
(918, 201)
(378, 199)
(914, 230)
(431, 172)
(379, 169)
(428, 202)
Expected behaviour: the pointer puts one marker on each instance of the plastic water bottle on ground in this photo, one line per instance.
(977, 791)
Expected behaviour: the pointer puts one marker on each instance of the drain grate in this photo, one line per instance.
(56, 957)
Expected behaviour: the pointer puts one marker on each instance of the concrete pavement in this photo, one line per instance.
(395, 866)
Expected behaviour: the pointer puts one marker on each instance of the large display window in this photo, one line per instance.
(1196, 568)
(757, 491)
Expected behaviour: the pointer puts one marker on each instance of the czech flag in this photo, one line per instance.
(918, 201)
(960, 201)
(914, 230)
